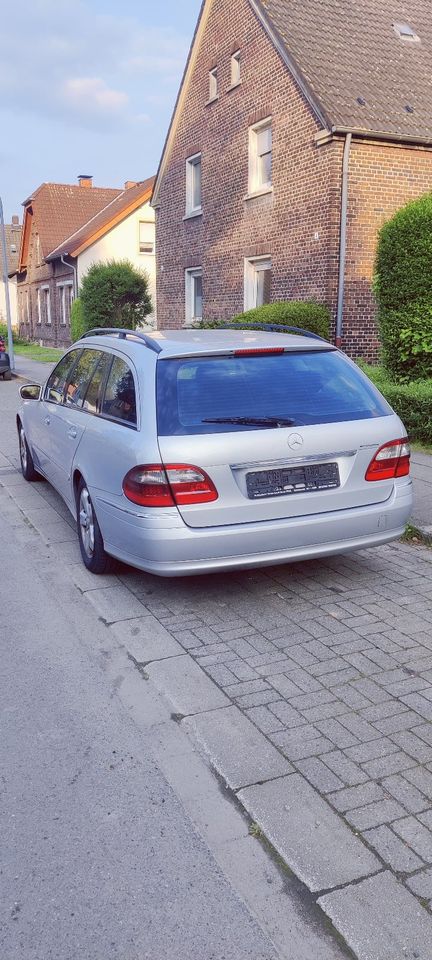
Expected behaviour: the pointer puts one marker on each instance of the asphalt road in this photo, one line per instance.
(99, 858)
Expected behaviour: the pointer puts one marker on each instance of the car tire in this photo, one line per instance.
(90, 539)
(27, 466)
(7, 375)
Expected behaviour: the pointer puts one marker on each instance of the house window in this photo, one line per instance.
(257, 282)
(213, 84)
(194, 294)
(44, 305)
(405, 32)
(146, 245)
(65, 294)
(193, 185)
(39, 305)
(235, 69)
(260, 156)
(13, 248)
(27, 304)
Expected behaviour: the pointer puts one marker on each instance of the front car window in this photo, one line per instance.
(120, 399)
(305, 387)
(54, 389)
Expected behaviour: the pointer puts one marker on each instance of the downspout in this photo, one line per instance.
(343, 238)
(75, 273)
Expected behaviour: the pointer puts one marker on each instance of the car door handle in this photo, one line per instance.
(47, 421)
(72, 433)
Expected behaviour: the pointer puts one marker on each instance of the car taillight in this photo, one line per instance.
(391, 460)
(253, 351)
(158, 485)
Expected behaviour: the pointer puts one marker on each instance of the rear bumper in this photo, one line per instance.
(164, 545)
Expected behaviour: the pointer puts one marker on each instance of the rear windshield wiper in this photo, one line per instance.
(253, 421)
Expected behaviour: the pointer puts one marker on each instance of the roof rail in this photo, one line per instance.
(123, 334)
(270, 328)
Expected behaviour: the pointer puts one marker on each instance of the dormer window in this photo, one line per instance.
(213, 84)
(235, 69)
(405, 32)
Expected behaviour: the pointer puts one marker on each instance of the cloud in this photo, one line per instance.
(91, 94)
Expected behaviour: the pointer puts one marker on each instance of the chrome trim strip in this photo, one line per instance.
(293, 460)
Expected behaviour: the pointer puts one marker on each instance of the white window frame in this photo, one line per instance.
(213, 85)
(145, 253)
(255, 184)
(191, 164)
(42, 289)
(252, 267)
(39, 306)
(236, 68)
(61, 287)
(190, 276)
(27, 305)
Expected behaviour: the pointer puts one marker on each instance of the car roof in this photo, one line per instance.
(186, 342)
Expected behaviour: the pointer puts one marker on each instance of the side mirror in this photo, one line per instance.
(30, 391)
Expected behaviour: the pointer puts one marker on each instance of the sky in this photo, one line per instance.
(87, 86)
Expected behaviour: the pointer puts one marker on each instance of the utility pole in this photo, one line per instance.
(6, 283)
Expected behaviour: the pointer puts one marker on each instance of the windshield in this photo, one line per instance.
(225, 394)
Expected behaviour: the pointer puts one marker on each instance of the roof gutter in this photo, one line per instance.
(381, 135)
(343, 236)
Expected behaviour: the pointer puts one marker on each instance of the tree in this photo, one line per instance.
(115, 294)
(403, 288)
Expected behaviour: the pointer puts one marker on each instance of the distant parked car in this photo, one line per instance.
(190, 451)
(5, 370)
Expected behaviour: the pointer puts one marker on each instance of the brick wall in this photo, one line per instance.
(37, 275)
(298, 225)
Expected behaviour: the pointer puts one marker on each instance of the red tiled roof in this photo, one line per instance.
(60, 208)
(101, 222)
(13, 239)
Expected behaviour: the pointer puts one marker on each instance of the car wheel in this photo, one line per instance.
(27, 465)
(7, 375)
(90, 538)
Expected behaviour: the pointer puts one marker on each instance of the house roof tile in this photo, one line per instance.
(59, 209)
(13, 240)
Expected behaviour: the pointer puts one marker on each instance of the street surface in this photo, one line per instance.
(308, 687)
(117, 841)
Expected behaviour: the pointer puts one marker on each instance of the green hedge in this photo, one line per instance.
(411, 401)
(403, 288)
(78, 326)
(291, 313)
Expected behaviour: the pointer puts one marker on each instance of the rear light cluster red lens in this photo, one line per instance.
(158, 485)
(391, 460)
(251, 351)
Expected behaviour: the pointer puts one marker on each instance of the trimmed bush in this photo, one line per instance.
(411, 401)
(115, 294)
(403, 288)
(77, 324)
(290, 313)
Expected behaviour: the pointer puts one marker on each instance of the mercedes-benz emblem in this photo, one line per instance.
(295, 440)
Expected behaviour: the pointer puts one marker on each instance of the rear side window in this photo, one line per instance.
(79, 378)
(93, 398)
(120, 399)
(304, 388)
(55, 386)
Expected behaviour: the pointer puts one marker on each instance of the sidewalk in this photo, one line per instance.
(421, 471)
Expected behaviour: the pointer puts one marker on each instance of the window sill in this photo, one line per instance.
(258, 193)
(212, 100)
(193, 214)
(233, 86)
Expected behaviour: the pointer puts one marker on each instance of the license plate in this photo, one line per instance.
(288, 480)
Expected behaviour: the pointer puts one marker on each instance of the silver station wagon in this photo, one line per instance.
(190, 451)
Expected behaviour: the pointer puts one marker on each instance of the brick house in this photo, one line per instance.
(299, 128)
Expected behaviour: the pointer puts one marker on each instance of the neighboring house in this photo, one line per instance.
(298, 124)
(122, 230)
(13, 240)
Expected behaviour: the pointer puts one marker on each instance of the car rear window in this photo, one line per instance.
(303, 387)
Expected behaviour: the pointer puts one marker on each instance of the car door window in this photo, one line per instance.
(120, 399)
(54, 389)
(79, 378)
(93, 398)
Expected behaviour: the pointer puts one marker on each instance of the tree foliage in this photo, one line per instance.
(115, 294)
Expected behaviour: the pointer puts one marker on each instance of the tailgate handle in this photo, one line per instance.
(72, 433)
(47, 421)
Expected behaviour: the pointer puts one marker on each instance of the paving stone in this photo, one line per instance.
(392, 850)
(352, 697)
(221, 674)
(405, 793)
(285, 686)
(385, 766)
(334, 730)
(416, 835)
(345, 769)
(304, 681)
(319, 774)
(371, 690)
(421, 884)
(313, 840)
(242, 671)
(412, 744)
(300, 749)
(146, 639)
(237, 750)
(247, 686)
(359, 728)
(420, 704)
(380, 711)
(424, 731)
(115, 603)
(403, 721)
(264, 719)
(371, 750)
(186, 685)
(420, 778)
(257, 699)
(286, 713)
(358, 796)
(324, 711)
(426, 818)
(380, 919)
(342, 676)
(372, 815)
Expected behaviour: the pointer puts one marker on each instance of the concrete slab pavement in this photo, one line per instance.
(32, 371)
